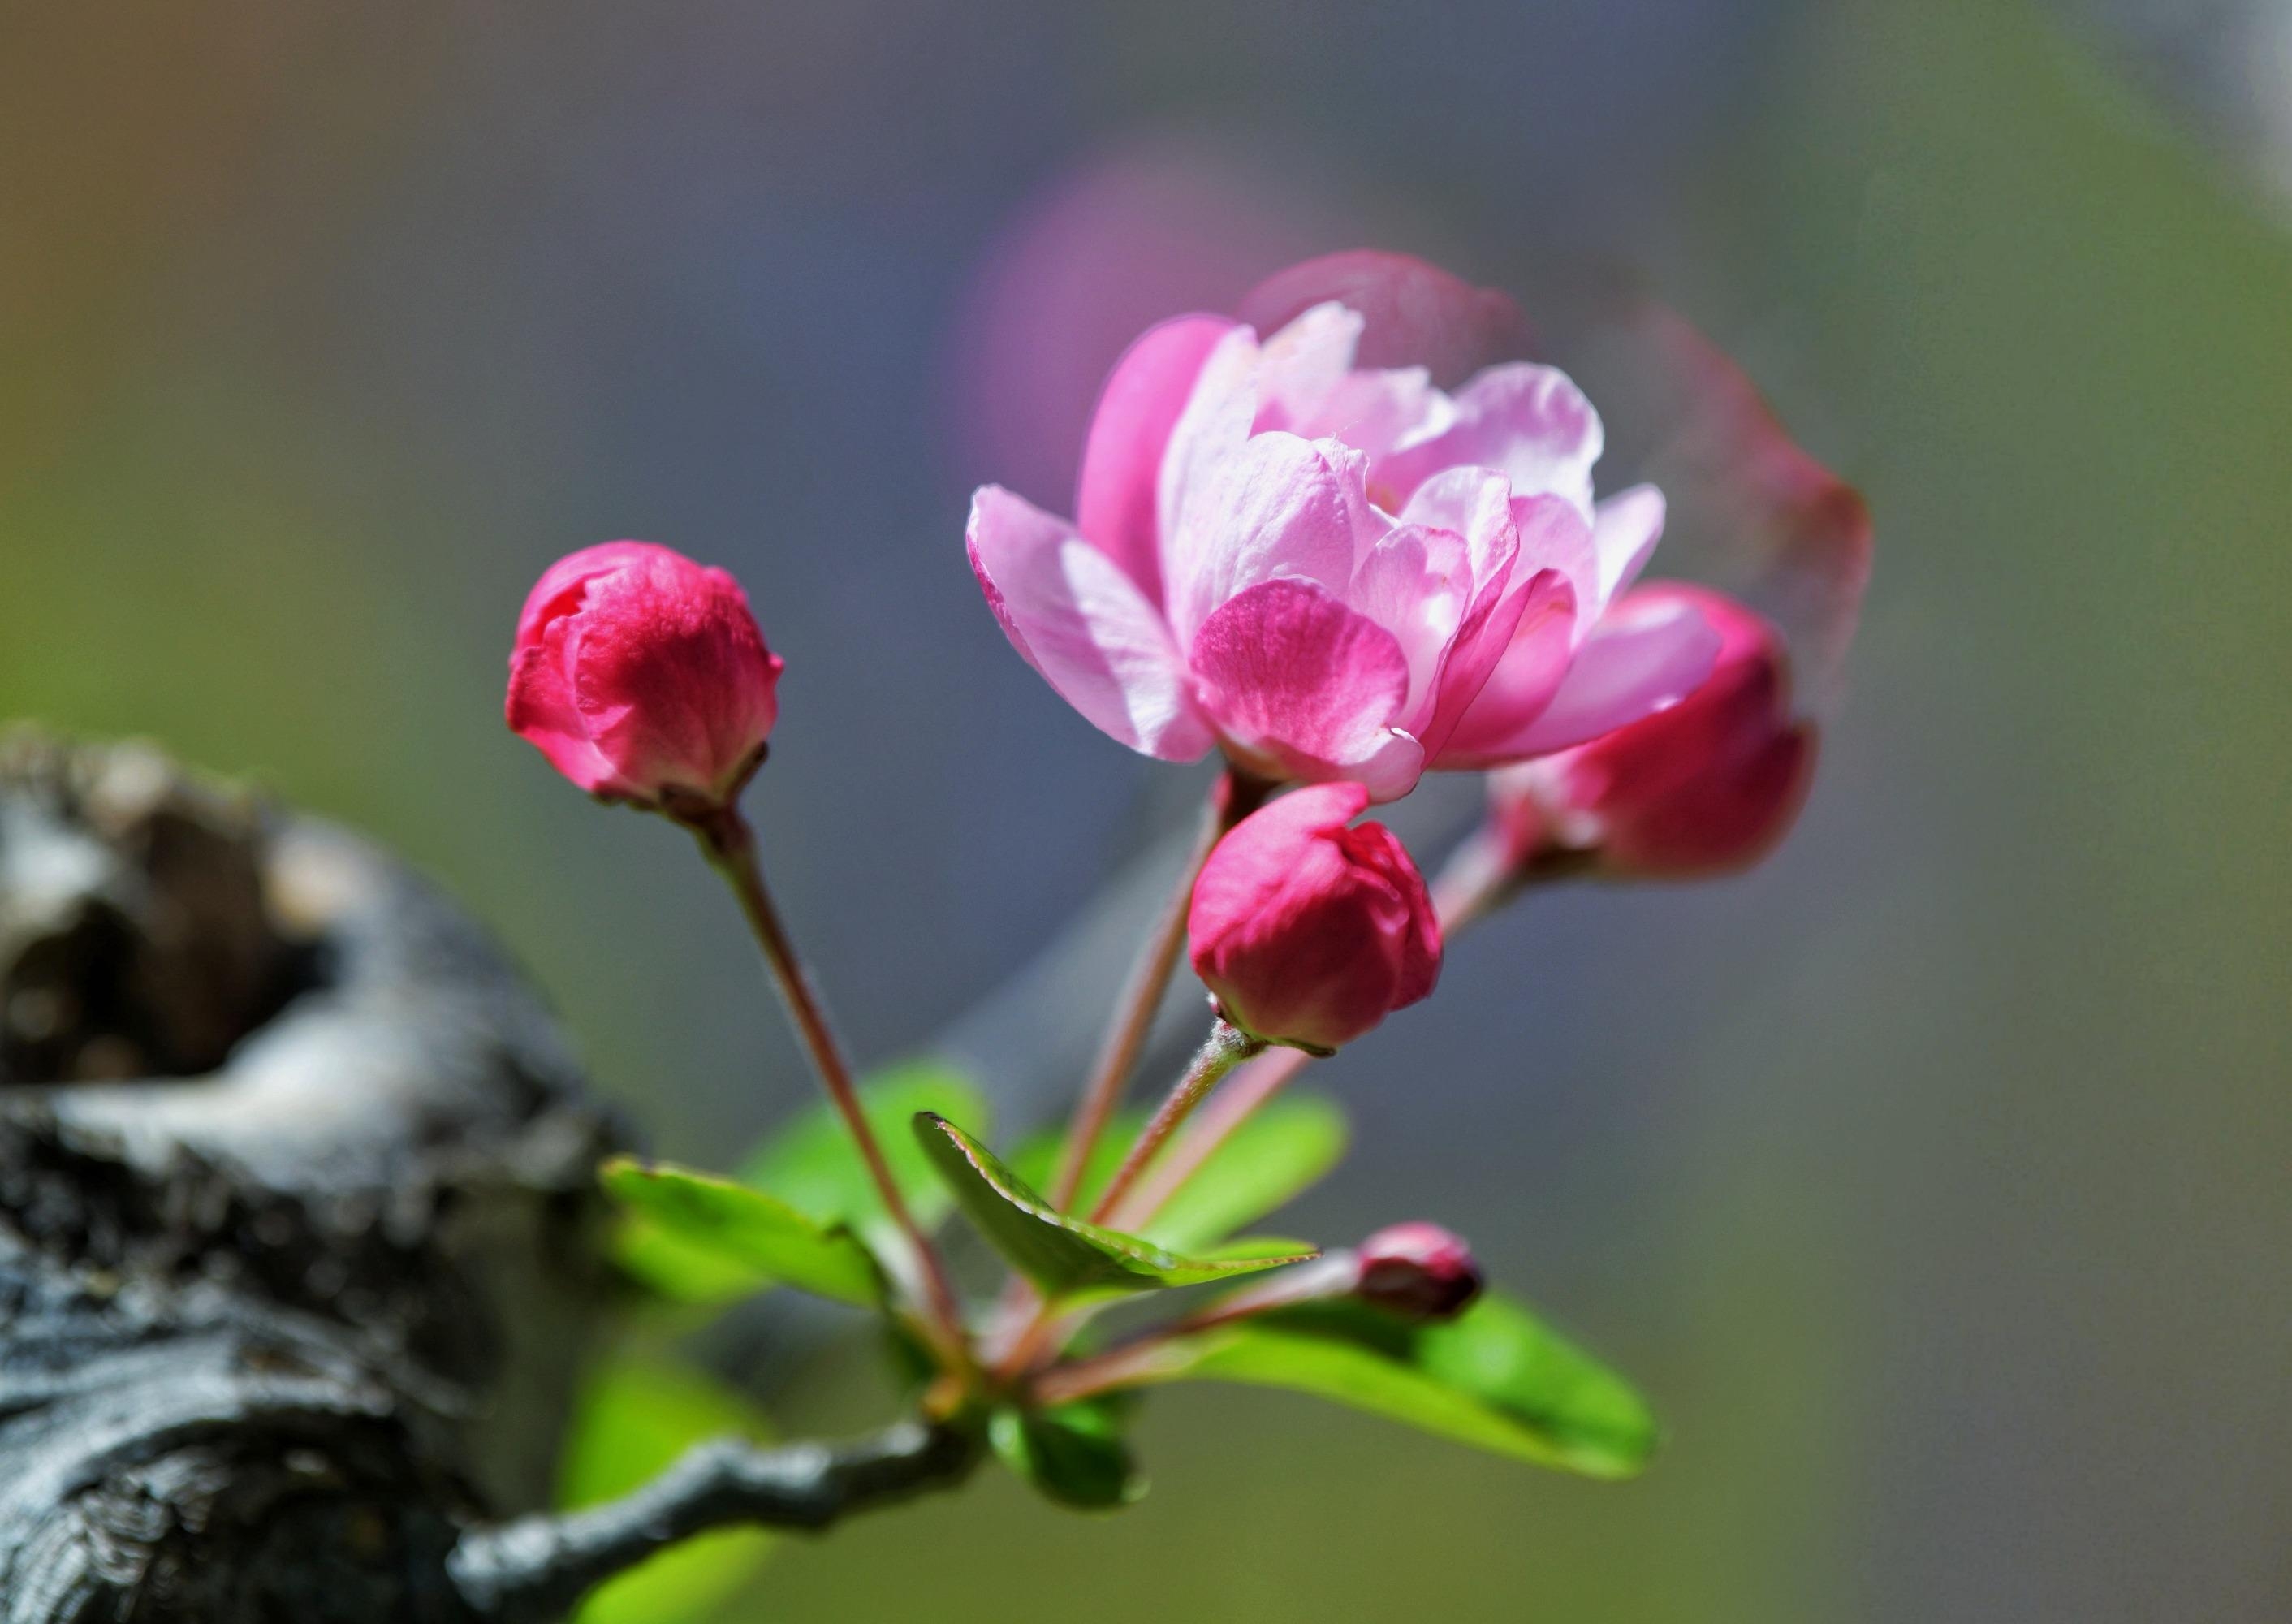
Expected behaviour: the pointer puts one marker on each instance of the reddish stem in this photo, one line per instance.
(730, 846)
(1233, 797)
(1474, 879)
(1227, 1047)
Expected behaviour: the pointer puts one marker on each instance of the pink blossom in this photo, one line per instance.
(1706, 786)
(1307, 932)
(642, 677)
(1320, 567)
(1418, 1271)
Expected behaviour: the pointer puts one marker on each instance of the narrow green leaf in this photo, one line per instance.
(1495, 1377)
(635, 1416)
(1062, 1255)
(1276, 1155)
(748, 1229)
(814, 1166)
(1073, 1454)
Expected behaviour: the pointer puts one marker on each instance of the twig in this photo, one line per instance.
(533, 1569)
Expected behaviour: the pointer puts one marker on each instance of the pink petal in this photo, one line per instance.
(1637, 663)
(1079, 620)
(1213, 425)
(671, 675)
(1530, 668)
(1625, 529)
(1554, 535)
(1301, 365)
(1414, 313)
(1529, 423)
(1416, 583)
(1114, 504)
(562, 585)
(1273, 505)
(541, 710)
(1302, 687)
(1477, 504)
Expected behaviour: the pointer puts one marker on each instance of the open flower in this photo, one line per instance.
(1308, 932)
(642, 677)
(1319, 566)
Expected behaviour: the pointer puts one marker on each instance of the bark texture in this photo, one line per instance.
(298, 1243)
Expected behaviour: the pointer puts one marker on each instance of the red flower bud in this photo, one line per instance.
(1707, 787)
(1308, 933)
(642, 677)
(1418, 1271)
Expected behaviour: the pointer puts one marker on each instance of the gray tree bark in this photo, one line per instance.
(298, 1236)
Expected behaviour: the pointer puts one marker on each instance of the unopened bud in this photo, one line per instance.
(1418, 1271)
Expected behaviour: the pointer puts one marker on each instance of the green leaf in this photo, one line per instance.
(635, 1416)
(814, 1166)
(745, 1229)
(1277, 1154)
(1495, 1377)
(1073, 1454)
(1066, 1256)
(672, 1267)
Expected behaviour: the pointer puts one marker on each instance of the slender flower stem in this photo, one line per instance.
(1332, 1275)
(1233, 797)
(1028, 1332)
(1227, 1047)
(1260, 1081)
(731, 847)
(1472, 881)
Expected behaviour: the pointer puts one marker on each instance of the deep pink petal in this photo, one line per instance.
(1415, 314)
(1527, 672)
(1635, 664)
(1079, 620)
(1115, 500)
(1299, 686)
(541, 710)
(559, 590)
(670, 673)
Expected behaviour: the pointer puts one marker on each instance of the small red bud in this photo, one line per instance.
(1418, 1271)
(642, 677)
(1307, 932)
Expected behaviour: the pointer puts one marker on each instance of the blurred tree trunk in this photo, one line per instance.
(297, 1240)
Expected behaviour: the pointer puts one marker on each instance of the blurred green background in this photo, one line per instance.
(1935, 1180)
